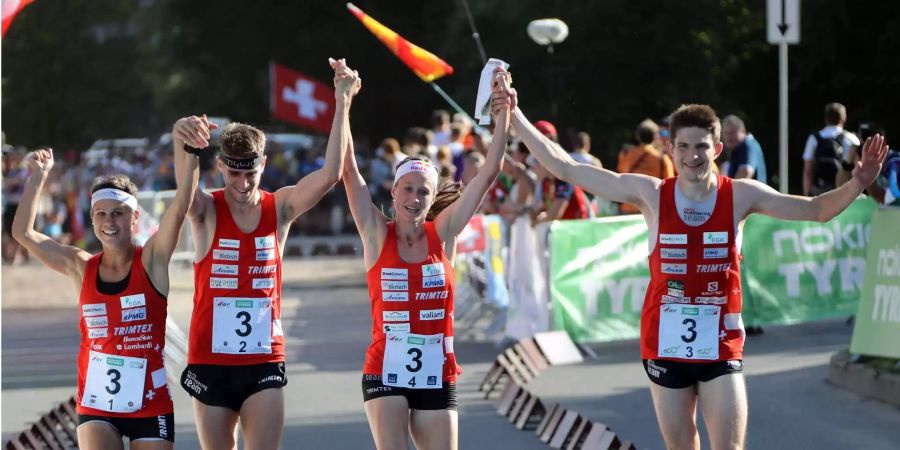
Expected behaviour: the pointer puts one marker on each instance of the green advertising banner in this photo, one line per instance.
(792, 271)
(877, 328)
(803, 271)
(598, 277)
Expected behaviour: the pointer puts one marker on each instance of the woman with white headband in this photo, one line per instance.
(122, 387)
(410, 368)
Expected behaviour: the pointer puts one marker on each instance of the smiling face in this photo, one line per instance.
(113, 223)
(694, 152)
(413, 196)
(241, 185)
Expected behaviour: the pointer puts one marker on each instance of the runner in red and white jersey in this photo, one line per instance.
(122, 388)
(410, 368)
(236, 347)
(692, 332)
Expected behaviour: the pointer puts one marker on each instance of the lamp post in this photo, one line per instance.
(548, 32)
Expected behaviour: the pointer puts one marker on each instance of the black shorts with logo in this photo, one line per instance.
(156, 428)
(230, 386)
(680, 375)
(422, 399)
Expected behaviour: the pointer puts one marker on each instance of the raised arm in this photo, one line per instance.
(370, 221)
(297, 199)
(451, 221)
(193, 131)
(636, 189)
(759, 198)
(65, 259)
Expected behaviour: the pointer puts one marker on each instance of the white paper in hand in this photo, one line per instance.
(483, 99)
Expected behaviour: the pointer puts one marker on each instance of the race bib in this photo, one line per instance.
(689, 331)
(114, 383)
(242, 325)
(414, 361)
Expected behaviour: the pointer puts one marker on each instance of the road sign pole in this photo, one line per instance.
(783, 116)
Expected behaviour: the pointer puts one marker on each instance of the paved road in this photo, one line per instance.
(326, 320)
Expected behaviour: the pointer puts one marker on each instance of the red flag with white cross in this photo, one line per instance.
(300, 99)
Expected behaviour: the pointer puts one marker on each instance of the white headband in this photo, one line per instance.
(419, 166)
(114, 194)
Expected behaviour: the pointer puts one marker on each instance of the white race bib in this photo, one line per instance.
(689, 331)
(114, 383)
(414, 361)
(242, 325)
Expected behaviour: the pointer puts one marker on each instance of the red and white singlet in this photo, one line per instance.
(412, 316)
(237, 294)
(692, 310)
(123, 336)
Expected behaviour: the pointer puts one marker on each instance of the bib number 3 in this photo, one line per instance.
(114, 383)
(689, 331)
(242, 325)
(413, 361)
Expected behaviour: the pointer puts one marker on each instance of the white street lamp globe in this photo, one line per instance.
(548, 31)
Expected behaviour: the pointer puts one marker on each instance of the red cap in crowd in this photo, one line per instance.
(546, 128)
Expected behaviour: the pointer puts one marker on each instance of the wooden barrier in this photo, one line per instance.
(54, 430)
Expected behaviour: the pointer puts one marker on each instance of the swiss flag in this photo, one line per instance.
(300, 99)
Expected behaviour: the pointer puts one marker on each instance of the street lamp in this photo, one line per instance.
(548, 32)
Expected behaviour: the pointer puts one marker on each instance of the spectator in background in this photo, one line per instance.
(825, 150)
(457, 147)
(465, 125)
(521, 196)
(472, 161)
(14, 176)
(747, 159)
(561, 200)
(445, 166)
(418, 142)
(582, 150)
(644, 158)
(440, 127)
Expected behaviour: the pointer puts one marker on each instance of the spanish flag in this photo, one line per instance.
(425, 64)
(10, 9)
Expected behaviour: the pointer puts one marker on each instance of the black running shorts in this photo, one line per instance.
(156, 428)
(229, 386)
(422, 399)
(680, 375)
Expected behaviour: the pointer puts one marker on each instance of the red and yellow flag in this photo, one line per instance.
(424, 63)
(10, 9)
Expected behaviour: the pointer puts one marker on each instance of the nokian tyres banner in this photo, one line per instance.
(877, 328)
(792, 271)
(598, 277)
(802, 271)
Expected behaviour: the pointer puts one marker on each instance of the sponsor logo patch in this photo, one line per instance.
(675, 239)
(395, 316)
(440, 295)
(226, 255)
(261, 270)
(229, 243)
(92, 322)
(134, 314)
(712, 286)
(94, 333)
(396, 327)
(673, 253)
(709, 268)
(433, 282)
(711, 300)
(390, 285)
(715, 252)
(394, 274)
(93, 309)
(224, 269)
(677, 269)
(429, 270)
(715, 237)
(431, 314)
(133, 301)
(263, 283)
(675, 288)
(690, 311)
(265, 242)
(389, 296)
(415, 340)
(675, 299)
(265, 255)
(223, 283)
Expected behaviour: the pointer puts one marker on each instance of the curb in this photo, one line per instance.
(863, 380)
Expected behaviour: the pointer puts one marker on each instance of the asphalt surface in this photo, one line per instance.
(326, 319)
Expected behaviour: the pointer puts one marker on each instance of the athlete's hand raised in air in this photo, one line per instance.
(40, 161)
(346, 82)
